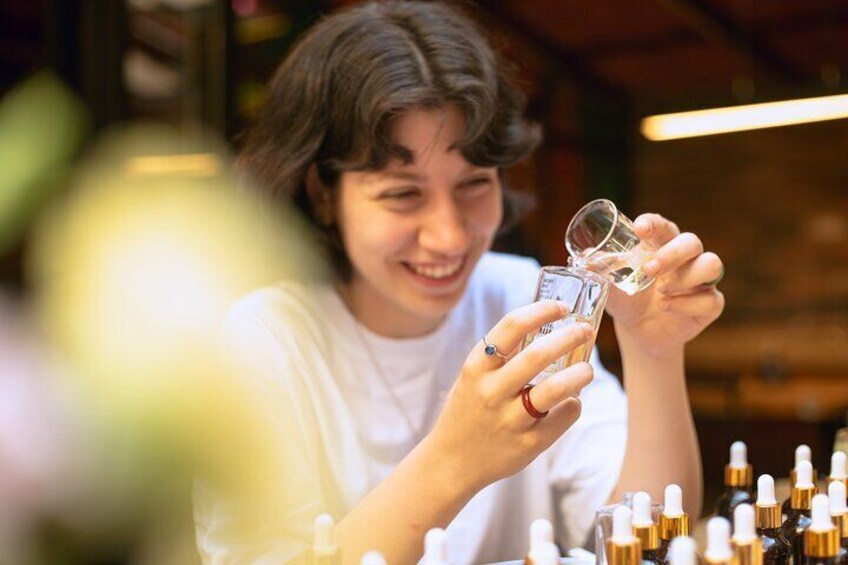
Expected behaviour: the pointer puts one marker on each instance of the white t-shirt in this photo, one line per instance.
(309, 351)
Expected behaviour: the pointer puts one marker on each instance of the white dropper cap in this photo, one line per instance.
(622, 525)
(837, 465)
(673, 501)
(836, 494)
(739, 455)
(435, 547)
(546, 554)
(718, 540)
(802, 453)
(682, 551)
(323, 541)
(642, 510)
(804, 474)
(541, 531)
(820, 513)
(765, 491)
(373, 558)
(744, 530)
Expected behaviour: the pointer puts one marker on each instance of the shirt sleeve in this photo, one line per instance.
(275, 527)
(586, 461)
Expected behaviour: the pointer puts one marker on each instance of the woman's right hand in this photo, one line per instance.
(484, 433)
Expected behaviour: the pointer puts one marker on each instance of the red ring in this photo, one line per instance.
(525, 400)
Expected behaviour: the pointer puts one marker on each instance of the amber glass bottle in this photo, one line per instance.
(802, 453)
(645, 529)
(821, 538)
(776, 549)
(747, 545)
(799, 517)
(738, 478)
(674, 522)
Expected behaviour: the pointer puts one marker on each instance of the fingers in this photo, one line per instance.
(561, 386)
(706, 304)
(512, 328)
(680, 250)
(655, 228)
(693, 275)
(560, 418)
(544, 350)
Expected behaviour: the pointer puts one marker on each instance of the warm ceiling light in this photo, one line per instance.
(741, 118)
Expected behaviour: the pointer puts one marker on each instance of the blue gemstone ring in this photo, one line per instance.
(491, 350)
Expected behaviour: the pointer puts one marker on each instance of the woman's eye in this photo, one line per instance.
(477, 182)
(401, 195)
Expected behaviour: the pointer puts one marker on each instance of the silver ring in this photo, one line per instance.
(491, 350)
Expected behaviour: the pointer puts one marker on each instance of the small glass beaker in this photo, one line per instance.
(603, 240)
(585, 293)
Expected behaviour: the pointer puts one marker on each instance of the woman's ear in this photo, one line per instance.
(320, 197)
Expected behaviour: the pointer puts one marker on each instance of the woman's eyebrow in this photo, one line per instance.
(404, 175)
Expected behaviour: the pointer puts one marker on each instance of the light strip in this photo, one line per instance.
(741, 118)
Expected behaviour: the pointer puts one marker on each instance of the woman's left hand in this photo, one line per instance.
(682, 301)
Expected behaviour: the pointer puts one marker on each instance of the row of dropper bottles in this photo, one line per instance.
(786, 523)
(739, 475)
(636, 538)
(760, 536)
(324, 551)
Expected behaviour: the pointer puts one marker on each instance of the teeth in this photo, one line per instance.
(440, 272)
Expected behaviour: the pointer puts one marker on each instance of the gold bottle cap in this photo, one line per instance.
(768, 517)
(624, 553)
(821, 538)
(821, 543)
(674, 526)
(802, 498)
(841, 523)
(738, 476)
(648, 536)
(749, 552)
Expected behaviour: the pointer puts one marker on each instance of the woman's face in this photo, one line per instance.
(413, 232)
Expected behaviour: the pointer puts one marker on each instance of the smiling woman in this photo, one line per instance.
(414, 232)
(398, 382)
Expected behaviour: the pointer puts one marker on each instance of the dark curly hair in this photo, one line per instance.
(332, 100)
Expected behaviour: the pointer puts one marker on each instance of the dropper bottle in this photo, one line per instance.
(623, 548)
(541, 531)
(546, 554)
(747, 546)
(821, 539)
(802, 453)
(681, 551)
(435, 548)
(674, 522)
(718, 542)
(645, 529)
(738, 478)
(373, 558)
(324, 550)
(799, 516)
(837, 468)
(839, 515)
(776, 549)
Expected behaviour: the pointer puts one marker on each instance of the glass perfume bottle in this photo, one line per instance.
(585, 293)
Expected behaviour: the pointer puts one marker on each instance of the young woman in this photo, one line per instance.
(388, 126)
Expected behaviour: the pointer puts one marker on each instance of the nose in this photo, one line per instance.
(445, 228)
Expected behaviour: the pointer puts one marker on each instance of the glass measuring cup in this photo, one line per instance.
(602, 239)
